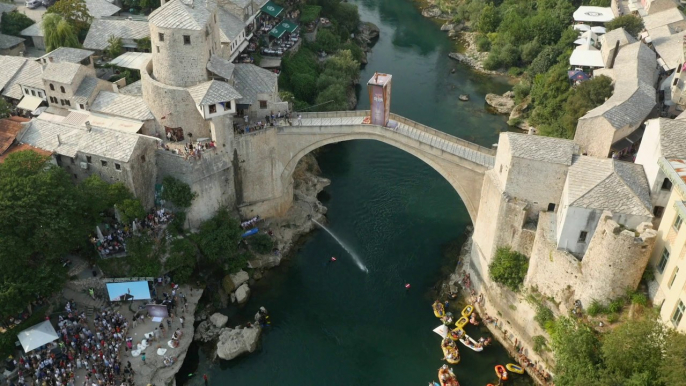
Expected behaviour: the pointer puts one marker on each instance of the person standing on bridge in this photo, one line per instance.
(300, 120)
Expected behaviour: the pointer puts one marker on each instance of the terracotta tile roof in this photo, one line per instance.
(9, 128)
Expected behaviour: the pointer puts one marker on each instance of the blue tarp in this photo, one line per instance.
(250, 232)
(139, 290)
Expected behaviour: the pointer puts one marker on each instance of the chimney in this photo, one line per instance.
(88, 126)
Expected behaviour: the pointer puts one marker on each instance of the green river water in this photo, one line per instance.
(335, 324)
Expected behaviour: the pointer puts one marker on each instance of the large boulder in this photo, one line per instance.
(228, 284)
(206, 331)
(431, 12)
(239, 278)
(234, 342)
(219, 320)
(242, 293)
(503, 104)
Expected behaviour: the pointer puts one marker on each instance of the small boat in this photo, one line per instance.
(464, 97)
(447, 319)
(250, 232)
(447, 377)
(501, 372)
(451, 354)
(514, 368)
(439, 310)
(456, 334)
(467, 311)
(471, 343)
(461, 322)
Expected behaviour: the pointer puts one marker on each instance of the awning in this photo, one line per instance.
(132, 60)
(582, 27)
(598, 30)
(594, 14)
(272, 9)
(277, 31)
(29, 103)
(37, 336)
(289, 26)
(629, 140)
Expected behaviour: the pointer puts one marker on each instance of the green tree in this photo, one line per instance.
(58, 33)
(114, 46)
(182, 259)
(625, 355)
(41, 219)
(130, 209)
(99, 196)
(586, 96)
(144, 44)
(143, 256)
(577, 353)
(5, 110)
(673, 365)
(219, 237)
(327, 41)
(74, 12)
(333, 98)
(632, 24)
(12, 23)
(508, 268)
(343, 64)
(304, 86)
(531, 50)
(347, 17)
(489, 19)
(177, 192)
(261, 243)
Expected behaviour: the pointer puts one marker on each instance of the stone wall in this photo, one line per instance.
(211, 177)
(615, 260)
(594, 136)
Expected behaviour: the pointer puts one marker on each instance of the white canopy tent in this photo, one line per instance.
(37, 336)
(590, 35)
(586, 56)
(581, 41)
(598, 30)
(594, 14)
(582, 27)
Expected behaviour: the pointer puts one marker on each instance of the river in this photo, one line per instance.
(334, 324)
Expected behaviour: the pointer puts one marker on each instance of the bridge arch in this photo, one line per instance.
(440, 167)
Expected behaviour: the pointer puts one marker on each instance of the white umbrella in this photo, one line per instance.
(581, 41)
(598, 29)
(99, 233)
(582, 27)
(442, 330)
(589, 35)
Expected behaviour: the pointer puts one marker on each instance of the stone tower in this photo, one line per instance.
(184, 35)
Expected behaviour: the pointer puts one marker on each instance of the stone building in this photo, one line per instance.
(611, 42)
(669, 289)
(69, 55)
(260, 91)
(11, 45)
(35, 33)
(20, 77)
(633, 100)
(61, 82)
(114, 155)
(129, 31)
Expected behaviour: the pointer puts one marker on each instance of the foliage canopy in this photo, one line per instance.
(508, 268)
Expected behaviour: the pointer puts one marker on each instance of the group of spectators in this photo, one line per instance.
(269, 120)
(94, 349)
(113, 243)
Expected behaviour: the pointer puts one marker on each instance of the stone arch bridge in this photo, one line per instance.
(267, 158)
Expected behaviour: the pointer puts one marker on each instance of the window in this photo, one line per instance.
(62, 89)
(62, 102)
(678, 221)
(81, 106)
(551, 207)
(186, 39)
(66, 102)
(663, 261)
(88, 159)
(40, 94)
(161, 36)
(658, 211)
(666, 184)
(263, 104)
(213, 109)
(33, 92)
(678, 313)
(158, 49)
(26, 91)
(671, 279)
(52, 87)
(72, 161)
(103, 163)
(582, 236)
(117, 166)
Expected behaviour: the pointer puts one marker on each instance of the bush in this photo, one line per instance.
(612, 318)
(143, 256)
(483, 43)
(543, 315)
(14, 22)
(649, 274)
(508, 268)
(521, 91)
(261, 243)
(616, 305)
(596, 308)
(515, 71)
(327, 41)
(178, 192)
(632, 24)
(540, 344)
(130, 209)
(177, 224)
(640, 299)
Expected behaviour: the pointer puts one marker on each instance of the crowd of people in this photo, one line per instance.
(114, 243)
(96, 350)
(270, 120)
(248, 224)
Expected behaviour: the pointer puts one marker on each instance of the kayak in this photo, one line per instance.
(472, 344)
(501, 372)
(454, 354)
(514, 368)
(467, 311)
(250, 232)
(439, 310)
(450, 379)
(461, 322)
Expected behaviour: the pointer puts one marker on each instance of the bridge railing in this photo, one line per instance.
(405, 121)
